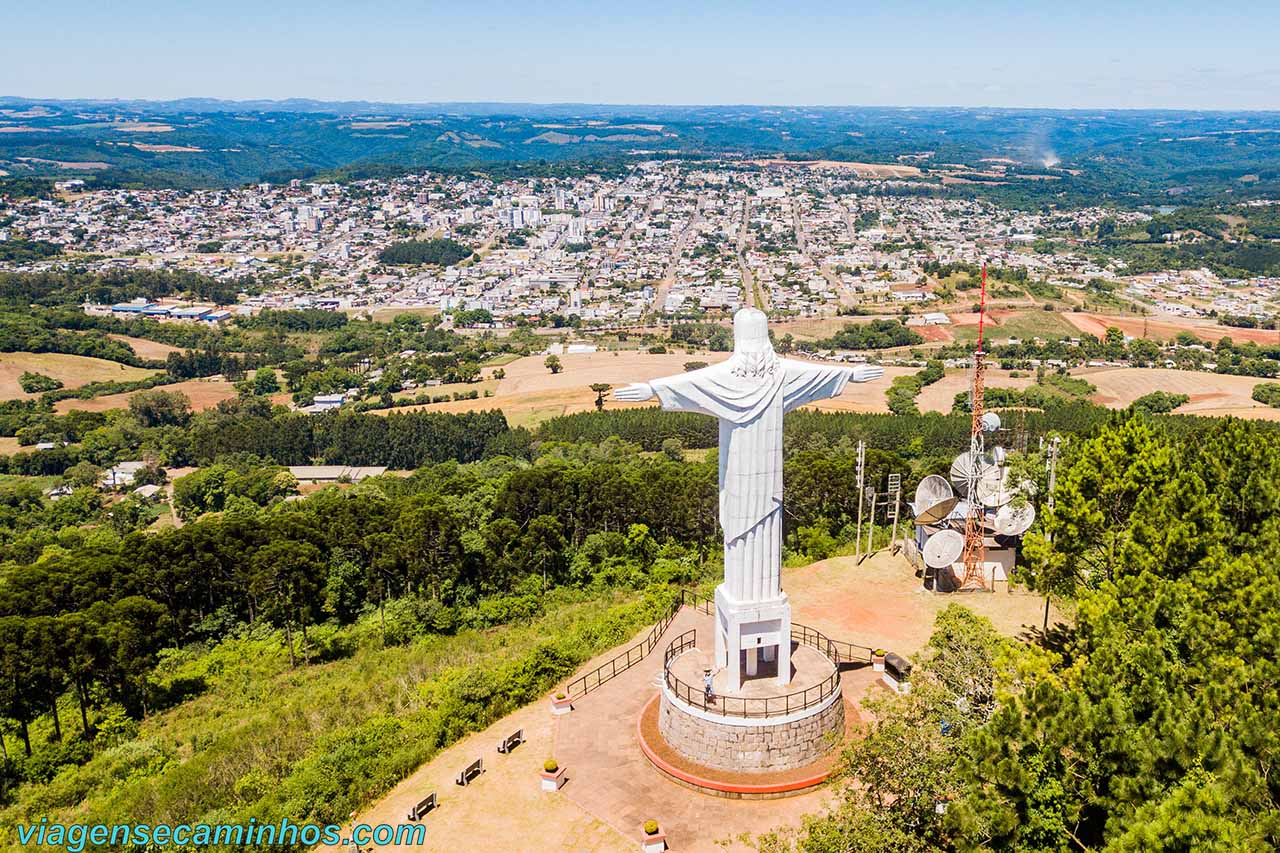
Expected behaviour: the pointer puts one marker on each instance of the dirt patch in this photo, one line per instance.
(881, 604)
(145, 348)
(935, 334)
(1087, 324)
(166, 149)
(970, 318)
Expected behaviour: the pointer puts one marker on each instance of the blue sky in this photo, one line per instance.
(1118, 54)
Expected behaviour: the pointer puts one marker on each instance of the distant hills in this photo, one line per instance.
(1021, 156)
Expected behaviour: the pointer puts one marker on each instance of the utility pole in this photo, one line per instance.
(862, 453)
(1052, 464)
(895, 501)
(871, 532)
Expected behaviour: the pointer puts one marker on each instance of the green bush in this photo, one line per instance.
(1267, 393)
(550, 765)
(1159, 402)
(35, 383)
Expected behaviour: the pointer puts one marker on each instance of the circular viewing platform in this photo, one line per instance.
(814, 677)
(759, 726)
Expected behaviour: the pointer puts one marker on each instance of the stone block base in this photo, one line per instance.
(759, 746)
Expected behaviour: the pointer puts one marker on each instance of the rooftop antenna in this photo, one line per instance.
(975, 553)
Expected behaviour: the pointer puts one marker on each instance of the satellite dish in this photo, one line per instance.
(1014, 521)
(931, 490)
(938, 511)
(942, 549)
(963, 467)
(990, 422)
(993, 487)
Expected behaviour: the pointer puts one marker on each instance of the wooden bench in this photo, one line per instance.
(417, 812)
(471, 771)
(511, 742)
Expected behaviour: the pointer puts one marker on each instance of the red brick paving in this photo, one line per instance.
(613, 781)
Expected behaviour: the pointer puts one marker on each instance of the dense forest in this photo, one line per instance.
(441, 252)
(877, 334)
(1150, 723)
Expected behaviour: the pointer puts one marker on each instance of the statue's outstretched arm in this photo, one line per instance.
(808, 382)
(636, 392)
(865, 372)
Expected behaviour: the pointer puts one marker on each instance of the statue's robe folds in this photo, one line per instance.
(750, 410)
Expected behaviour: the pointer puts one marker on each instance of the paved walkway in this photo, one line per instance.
(616, 783)
(502, 811)
(611, 789)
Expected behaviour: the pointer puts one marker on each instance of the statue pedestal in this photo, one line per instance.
(760, 728)
(748, 632)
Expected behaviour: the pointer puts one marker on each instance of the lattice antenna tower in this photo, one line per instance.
(975, 552)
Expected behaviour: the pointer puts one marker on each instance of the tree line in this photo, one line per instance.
(1148, 723)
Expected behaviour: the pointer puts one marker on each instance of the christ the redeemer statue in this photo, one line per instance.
(749, 394)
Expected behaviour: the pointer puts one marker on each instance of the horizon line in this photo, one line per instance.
(615, 105)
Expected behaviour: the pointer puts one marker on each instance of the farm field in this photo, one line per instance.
(385, 314)
(940, 396)
(203, 393)
(1167, 328)
(1002, 325)
(1211, 393)
(72, 370)
(145, 348)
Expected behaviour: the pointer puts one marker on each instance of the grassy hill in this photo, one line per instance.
(72, 370)
(259, 739)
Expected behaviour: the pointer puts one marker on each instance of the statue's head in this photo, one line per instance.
(753, 355)
(751, 331)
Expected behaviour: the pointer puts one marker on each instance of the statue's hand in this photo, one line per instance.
(636, 392)
(865, 373)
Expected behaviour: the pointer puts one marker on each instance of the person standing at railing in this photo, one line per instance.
(707, 685)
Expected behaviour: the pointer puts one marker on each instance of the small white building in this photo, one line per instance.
(122, 474)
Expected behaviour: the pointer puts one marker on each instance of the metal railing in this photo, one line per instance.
(851, 653)
(754, 707)
(701, 603)
(681, 644)
(839, 652)
(613, 668)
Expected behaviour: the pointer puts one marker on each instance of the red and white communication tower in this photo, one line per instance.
(975, 552)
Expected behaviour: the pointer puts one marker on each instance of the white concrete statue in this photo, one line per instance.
(749, 393)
